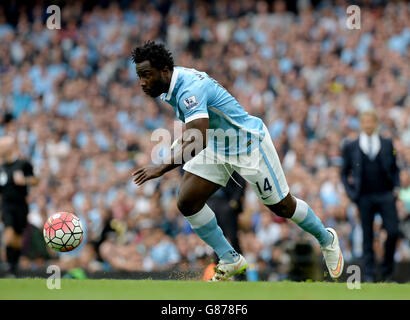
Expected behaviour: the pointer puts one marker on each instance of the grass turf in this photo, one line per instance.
(29, 289)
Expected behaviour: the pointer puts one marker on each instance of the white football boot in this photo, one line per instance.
(225, 271)
(333, 256)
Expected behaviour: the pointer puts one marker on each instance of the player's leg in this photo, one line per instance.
(300, 212)
(192, 197)
(194, 192)
(228, 220)
(200, 181)
(269, 182)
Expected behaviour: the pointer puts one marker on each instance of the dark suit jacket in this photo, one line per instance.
(351, 172)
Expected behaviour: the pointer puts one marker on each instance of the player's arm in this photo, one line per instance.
(193, 141)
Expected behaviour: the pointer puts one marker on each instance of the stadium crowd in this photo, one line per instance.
(72, 99)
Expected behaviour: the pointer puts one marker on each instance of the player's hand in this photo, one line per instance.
(147, 173)
(176, 143)
(19, 178)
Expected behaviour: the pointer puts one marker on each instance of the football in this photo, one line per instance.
(63, 231)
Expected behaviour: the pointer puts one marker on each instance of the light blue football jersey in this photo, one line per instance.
(193, 95)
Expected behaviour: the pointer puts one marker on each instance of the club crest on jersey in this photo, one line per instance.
(190, 102)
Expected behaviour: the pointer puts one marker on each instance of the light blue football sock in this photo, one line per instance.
(206, 227)
(308, 221)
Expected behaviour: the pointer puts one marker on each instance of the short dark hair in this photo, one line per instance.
(155, 53)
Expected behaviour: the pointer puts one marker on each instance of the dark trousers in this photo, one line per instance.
(385, 205)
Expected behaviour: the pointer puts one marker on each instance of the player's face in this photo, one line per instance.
(152, 80)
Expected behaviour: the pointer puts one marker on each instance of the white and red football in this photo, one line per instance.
(63, 231)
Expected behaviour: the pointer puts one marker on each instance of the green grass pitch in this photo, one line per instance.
(29, 289)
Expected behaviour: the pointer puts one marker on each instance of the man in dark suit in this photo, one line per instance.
(371, 179)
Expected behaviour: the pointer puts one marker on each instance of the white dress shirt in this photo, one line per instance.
(370, 145)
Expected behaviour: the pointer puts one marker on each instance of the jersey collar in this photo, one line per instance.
(172, 84)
